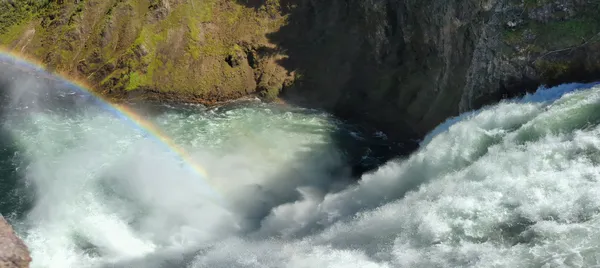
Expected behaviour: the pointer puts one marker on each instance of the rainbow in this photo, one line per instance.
(124, 112)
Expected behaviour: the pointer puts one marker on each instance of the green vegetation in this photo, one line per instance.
(553, 69)
(13, 33)
(182, 46)
(566, 33)
(16, 12)
(514, 36)
(529, 4)
(168, 46)
(270, 94)
(205, 10)
(554, 35)
(135, 80)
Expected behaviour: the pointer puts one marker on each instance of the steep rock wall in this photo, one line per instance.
(180, 50)
(402, 66)
(407, 65)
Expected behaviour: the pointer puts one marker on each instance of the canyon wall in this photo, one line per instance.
(405, 66)
(402, 66)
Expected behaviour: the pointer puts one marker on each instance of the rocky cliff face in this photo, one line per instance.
(401, 65)
(192, 50)
(407, 65)
(13, 253)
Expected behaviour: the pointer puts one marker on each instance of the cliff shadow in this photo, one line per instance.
(336, 67)
(349, 58)
(315, 171)
(325, 79)
(392, 64)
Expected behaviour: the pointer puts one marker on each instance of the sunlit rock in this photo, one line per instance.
(13, 252)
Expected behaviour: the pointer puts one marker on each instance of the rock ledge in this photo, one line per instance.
(13, 252)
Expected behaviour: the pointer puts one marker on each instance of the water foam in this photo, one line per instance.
(512, 185)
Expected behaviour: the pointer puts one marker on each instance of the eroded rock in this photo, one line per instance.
(13, 252)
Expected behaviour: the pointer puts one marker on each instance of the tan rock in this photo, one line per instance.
(13, 252)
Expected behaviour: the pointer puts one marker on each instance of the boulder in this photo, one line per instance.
(13, 252)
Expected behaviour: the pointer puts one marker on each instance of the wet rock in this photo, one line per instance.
(13, 252)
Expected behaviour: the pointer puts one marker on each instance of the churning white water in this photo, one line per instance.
(512, 185)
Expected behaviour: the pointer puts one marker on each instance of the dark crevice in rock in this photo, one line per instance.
(252, 61)
(231, 61)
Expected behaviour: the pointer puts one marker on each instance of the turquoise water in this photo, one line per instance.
(515, 184)
(86, 188)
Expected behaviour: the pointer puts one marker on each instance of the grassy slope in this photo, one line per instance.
(159, 45)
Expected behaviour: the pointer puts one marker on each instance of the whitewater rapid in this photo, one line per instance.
(516, 184)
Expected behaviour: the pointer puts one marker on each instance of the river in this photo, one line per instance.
(249, 184)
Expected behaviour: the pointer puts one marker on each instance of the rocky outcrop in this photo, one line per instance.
(176, 50)
(13, 253)
(402, 66)
(532, 43)
(407, 65)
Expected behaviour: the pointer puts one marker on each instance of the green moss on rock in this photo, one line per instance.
(552, 69)
(163, 45)
(559, 34)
